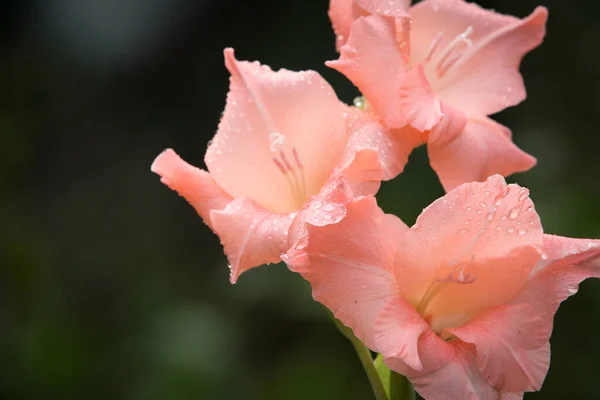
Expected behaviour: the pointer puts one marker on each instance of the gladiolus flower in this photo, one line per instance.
(286, 150)
(442, 67)
(463, 302)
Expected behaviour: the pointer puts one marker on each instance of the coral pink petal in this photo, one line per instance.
(512, 347)
(341, 13)
(449, 371)
(371, 60)
(388, 8)
(390, 146)
(195, 185)
(283, 115)
(419, 103)
(481, 150)
(451, 124)
(397, 331)
(348, 264)
(250, 235)
(489, 230)
(450, 18)
(484, 78)
(566, 262)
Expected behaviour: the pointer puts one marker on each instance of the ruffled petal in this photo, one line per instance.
(391, 147)
(397, 331)
(419, 103)
(485, 234)
(565, 263)
(481, 74)
(449, 371)
(450, 125)
(371, 60)
(251, 235)
(193, 184)
(280, 136)
(388, 8)
(481, 150)
(348, 264)
(513, 352)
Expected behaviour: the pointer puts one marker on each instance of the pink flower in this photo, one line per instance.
(286, 150)
(441, 67)
(463, 302)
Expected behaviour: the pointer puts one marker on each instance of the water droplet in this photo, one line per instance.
(479, 211)
(523, 194)
(572, 289)
(503, 217)
(514, 213)
(499, 228)
(316, 205)
(522, 231)
(469, 208)
(544, 256)
(467, 222)
(328, 207)
(490, 216)
(462, 231)
(510, 230)
(482, 205)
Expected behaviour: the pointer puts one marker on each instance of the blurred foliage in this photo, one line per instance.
(112, 288)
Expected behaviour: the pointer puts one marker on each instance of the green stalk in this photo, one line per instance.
(364, 355)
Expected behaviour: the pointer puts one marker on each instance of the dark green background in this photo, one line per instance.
(112, 288)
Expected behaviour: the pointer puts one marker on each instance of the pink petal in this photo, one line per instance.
(513, 352)
(342, 14)
(271, 115)
(391, 147)
(388, 8)
(566, 262)
(451, 124)
(419, 103)
(397, 331)
(195, 185)
(449, 371)
(371, 60)
(484, 148)
(489, 231)
(348, 264)
(250, 235)
(486, 78)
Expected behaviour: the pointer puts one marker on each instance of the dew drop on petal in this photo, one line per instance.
(462, 231)
(490, 216)
(544, 256)
(483, 204)
(316, 205)
(522, 231)
(514, 213)
(572, 289)
(510, 230)
(523, 194)
(328, 207)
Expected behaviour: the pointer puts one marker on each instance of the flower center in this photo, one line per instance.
(293, 171)
(440, 61)
(457, 276)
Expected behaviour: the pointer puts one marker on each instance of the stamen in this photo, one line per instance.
(279, 165)
(433, 47)
(437, 285)
(451, 54)
(293, 173)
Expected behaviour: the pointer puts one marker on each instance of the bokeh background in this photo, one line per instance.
(112, 288)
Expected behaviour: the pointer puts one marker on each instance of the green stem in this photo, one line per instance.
(401, 388)
(364, 355)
